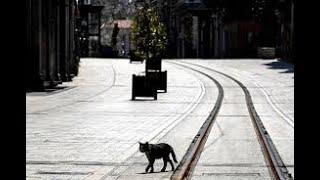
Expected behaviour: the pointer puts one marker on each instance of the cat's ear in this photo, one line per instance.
(147, 143)
(139, 142)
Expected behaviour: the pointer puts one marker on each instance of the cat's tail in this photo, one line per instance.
(173, 156)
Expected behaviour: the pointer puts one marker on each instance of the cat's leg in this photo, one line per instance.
(151, 165)
(147, 168)
(171, 163)
(165, 160)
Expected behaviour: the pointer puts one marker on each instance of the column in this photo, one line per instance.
(58, 40)
(44, 44)
(71, 59)
(51, 10)
(195, 31)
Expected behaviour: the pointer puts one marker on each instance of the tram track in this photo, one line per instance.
(193, 153)
(274, 162)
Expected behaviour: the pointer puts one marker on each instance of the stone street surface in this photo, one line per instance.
(271, 85)
(90, 129)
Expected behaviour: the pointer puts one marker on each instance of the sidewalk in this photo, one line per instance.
(86, 131)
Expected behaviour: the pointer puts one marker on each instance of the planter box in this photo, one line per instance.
(134, 58)
(158, 80)
(142, 87)
(153, 64)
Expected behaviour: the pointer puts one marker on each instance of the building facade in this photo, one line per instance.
(90, 31)
(285, 12)
(52, 56)
(217, 29)
(196, 29)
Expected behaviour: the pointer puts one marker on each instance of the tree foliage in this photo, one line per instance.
(149, 35)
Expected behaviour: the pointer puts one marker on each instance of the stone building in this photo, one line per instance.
(112, 12)
(286, 29)
(51, 46)
(90, 31)
(193, 25)
(217, 29)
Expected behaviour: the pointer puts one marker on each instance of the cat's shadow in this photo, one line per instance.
(152, 172)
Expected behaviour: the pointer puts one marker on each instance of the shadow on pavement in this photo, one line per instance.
(152, 172)
(287, 67)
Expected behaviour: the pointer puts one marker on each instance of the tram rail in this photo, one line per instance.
(277, 168)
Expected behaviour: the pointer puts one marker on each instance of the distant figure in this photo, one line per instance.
(157, 151)
(114, 36)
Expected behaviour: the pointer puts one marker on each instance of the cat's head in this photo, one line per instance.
(144, 147)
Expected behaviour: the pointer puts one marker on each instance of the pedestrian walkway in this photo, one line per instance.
(180, 136)
(92, 127)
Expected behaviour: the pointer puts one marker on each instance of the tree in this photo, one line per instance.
(148, 33)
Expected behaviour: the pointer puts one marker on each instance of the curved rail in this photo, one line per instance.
(287, 119)
(190, 159)
(277, 167)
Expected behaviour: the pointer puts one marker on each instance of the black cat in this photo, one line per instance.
(157, 151)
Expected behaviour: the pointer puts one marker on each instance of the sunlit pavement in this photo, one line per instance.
(90, 129)
(271, 85)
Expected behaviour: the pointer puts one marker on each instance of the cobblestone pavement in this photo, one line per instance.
(271, 85)
(180, 137)
(88, 129)
(232, 150)
(273, 77)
